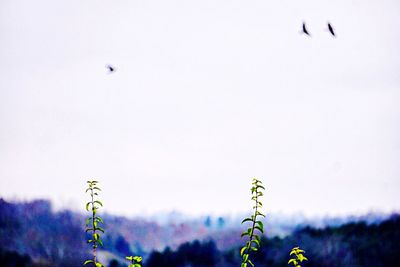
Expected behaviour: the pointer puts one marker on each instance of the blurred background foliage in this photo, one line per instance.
(31, 234)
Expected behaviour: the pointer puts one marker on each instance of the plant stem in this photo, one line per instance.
(254, 222)
(94, 229)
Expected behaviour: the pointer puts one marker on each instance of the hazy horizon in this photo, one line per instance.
(206, 95)
(276, 220)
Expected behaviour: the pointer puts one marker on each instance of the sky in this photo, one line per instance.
(206, 95)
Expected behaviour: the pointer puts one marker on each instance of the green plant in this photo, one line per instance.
(297, 257)
(135, 261)
(253, 243)
(93, 222)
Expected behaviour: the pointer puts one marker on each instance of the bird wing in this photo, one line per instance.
(331, 29)
(305, 29)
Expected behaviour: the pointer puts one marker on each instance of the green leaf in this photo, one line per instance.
(256, 241)
(98, 202)
(100, 242)
(250, 230)
(96, 236)
(260, 223)
(301, 257)
(260, 186)
(259, 214)
(87, 262)
(87, 206)
(247, 220)
(259, 229)
(245, 233)
(242, 250)
(248, 244)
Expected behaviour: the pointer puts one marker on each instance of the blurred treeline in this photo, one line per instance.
(349, 245)
(32, 235)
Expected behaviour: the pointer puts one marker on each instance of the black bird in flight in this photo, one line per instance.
(305, 29)
(110, 68)
(331, 29)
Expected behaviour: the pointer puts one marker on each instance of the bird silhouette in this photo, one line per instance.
(330, 28)
(110, 68)
(305, 29)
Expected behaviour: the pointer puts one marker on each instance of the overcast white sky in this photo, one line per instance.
(207, 94)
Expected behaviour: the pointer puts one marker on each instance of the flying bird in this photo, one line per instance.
(330, 28)
(110, 68)
(305, 29)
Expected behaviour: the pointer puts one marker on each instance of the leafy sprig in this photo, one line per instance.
(93, 222)
(135, 261)
(253, 243)
(297, 257)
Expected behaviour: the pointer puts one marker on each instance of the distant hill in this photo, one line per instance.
(355, 244)
(32, 233)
